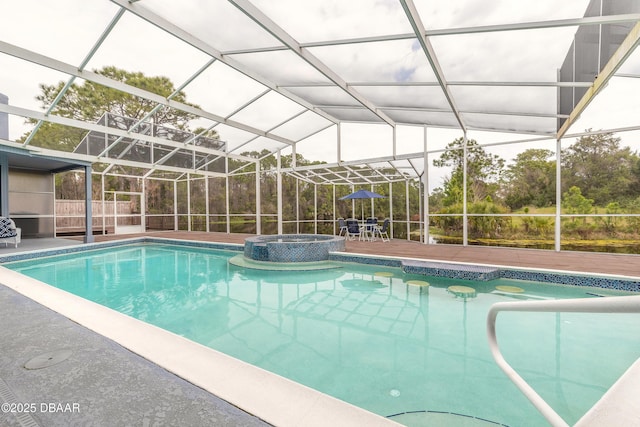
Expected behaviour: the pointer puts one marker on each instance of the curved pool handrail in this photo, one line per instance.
(625, 304)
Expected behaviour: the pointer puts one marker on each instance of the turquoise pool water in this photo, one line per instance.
(363, 333)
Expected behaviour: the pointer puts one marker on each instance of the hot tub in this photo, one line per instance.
(292, 247)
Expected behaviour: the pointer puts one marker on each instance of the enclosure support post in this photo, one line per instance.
(315, 208)
(420, 211)
(4, 161)
(425, 189)
(408, 215)
(226, 190)
(390, 211)
(115, 212)
(279, 190)
(4, 185)
(558, 227)
(465, 226)
(88, 237)
(258, 200)
(373, 213)
(334, 209)
(143, 206)
(297, 206)
(175, 205)
(188, 202)
(338, 144)
(353, 203)
(206, 203)
(104, 205)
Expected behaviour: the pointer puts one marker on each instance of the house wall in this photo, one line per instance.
(31, 202)
(4, 134)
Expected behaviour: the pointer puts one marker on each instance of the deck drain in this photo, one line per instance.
(8, 400)
(48, 359)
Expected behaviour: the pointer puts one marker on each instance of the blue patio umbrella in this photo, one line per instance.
(362, 194)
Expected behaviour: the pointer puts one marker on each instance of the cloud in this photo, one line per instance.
(404, 74)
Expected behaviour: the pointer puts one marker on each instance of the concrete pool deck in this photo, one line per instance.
(99, 384)
(115, 386)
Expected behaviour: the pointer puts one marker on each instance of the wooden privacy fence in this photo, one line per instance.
(70, 215)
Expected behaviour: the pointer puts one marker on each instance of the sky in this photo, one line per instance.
(66, 30)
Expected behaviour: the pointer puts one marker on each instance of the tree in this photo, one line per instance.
(207, 138)
(530, 180)
(574, 202)
(483, 172)
(600, 167)
(486, 226)
(89, 101)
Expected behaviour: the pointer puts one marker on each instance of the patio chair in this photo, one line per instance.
(9, 233)
(384, 230)
(342, 224)
(353, 229)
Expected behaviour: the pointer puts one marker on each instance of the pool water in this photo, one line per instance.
(363, 333)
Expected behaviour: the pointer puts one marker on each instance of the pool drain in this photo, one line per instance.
(48, 359)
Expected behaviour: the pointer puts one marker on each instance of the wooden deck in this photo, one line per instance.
(585, 262)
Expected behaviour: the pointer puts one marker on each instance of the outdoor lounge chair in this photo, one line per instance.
(9, 233)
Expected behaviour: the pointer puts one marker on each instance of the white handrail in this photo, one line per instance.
(627, 304)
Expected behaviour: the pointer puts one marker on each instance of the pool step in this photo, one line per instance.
(452, 271)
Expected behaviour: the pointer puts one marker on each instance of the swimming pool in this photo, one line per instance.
(363, 333)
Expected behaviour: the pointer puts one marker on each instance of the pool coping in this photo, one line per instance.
(484, 272)
(266, 395)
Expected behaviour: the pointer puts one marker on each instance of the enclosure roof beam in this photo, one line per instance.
(626, 48)
(155, 109)
(38, 115)
(269, 130)
(83, 64)
(91, 160)
(450, 83)
(533, 25)
(419, 30)
(63, 67)
(280, 34)
(444, 110)
(188, 38)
